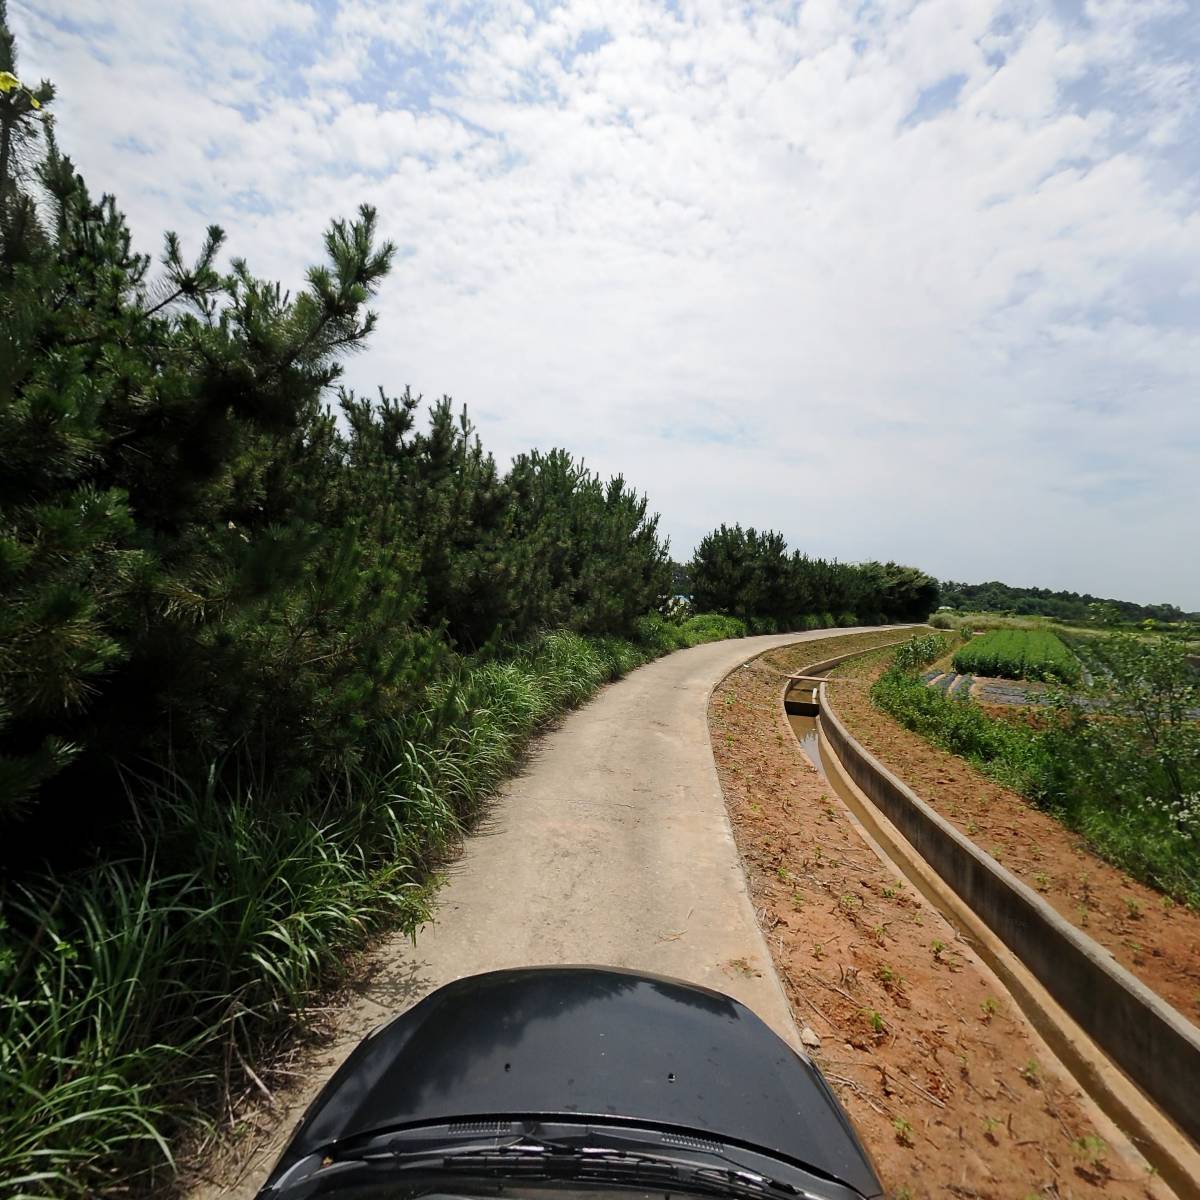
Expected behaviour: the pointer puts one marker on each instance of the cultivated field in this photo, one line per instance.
(1018, 654)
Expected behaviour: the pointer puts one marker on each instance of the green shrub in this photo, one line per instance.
(847, 621)
(943, 621)
(711, 627)
(919, 650)
(758, 625)
(810, 622)
(658, 634)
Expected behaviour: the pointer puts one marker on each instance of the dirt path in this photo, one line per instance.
(953, 1091)
(613, 846)
(1155, 939)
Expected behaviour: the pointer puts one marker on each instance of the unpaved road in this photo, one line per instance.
(612, 846)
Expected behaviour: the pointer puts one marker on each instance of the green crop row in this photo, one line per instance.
(1018, 654)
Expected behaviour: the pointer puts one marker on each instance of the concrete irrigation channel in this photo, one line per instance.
(1135, 1055)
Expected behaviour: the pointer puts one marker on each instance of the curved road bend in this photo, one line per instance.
(612, 846)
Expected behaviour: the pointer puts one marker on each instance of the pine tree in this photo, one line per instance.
(182, 570)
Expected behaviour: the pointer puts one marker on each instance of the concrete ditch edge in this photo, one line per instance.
(1120, 1105)
(1141, 1033)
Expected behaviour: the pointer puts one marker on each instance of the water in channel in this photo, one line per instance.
(805, 729)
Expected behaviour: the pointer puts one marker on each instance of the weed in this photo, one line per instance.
(1133, 908)
(972, 828)
(1031, 1073)
(1092, 1150)
(874, 1019)
(1042, 880)
(904, 1131)
(989, 1007)
(938, 946)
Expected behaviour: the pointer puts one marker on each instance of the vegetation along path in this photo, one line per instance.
(1146, 932)
(612, 846)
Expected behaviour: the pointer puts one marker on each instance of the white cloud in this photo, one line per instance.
(745, 259)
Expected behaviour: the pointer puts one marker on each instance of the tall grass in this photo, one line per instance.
(134, 993)
(920, 650)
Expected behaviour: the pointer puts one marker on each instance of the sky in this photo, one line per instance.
(913, 280)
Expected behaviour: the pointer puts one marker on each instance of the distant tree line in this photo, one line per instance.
(751, 574)
(1064, 606)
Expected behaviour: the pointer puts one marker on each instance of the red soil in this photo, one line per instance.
(1154, 938)
(952, 1091)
